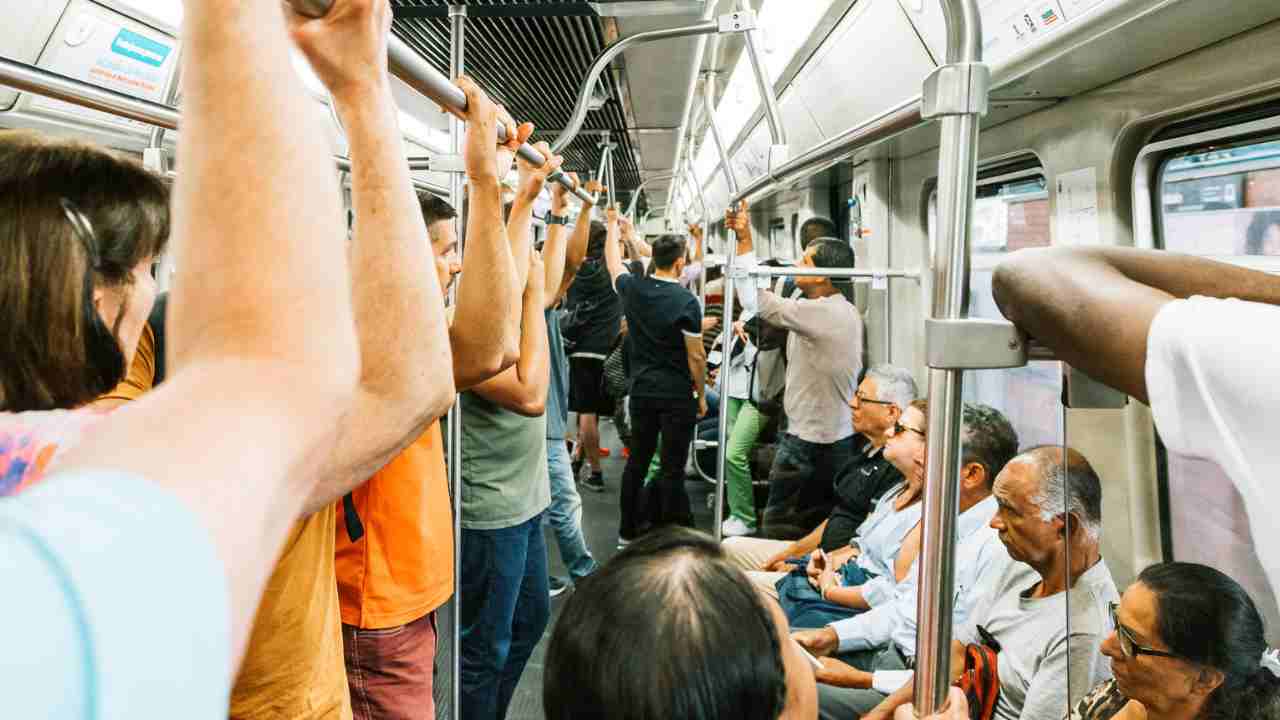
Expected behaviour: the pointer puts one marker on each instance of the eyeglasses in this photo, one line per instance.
(1128, 644)
(864, 399)
(899, 428)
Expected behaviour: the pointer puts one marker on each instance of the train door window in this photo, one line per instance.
(779, 240)
(1222, 200)
(1217, 194)
(1011, 213)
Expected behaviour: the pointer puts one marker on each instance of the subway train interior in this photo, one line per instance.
(939, 137)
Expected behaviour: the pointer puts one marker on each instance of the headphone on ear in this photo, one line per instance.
(102, 349)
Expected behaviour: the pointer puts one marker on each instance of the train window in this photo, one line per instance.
(1011, 213)
(1222, 200)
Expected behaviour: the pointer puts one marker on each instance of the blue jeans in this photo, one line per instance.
(565, 514)
(505, 607)
(804, 606)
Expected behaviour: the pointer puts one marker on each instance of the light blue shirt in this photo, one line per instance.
(879, 539)
(980, 559)
(115, 604)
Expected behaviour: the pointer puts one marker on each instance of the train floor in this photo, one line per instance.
(600, 524)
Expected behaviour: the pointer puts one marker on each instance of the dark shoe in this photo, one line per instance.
(558, 585)
(594, 482)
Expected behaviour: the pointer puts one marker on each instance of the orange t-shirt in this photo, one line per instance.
(294, 668)
(402, 568)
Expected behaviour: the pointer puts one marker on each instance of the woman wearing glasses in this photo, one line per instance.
(1188, 645)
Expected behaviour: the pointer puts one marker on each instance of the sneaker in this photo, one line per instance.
(594, 482)
(558, 585)
(736, 527)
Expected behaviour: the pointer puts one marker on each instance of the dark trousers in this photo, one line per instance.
(802, 485)
(666, 502)
(505, 608)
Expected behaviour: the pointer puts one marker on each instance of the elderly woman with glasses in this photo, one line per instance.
(1188, 644)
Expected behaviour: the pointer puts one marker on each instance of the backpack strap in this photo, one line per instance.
(355, 528)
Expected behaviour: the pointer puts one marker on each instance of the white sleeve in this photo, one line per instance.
(1210, 375)
(746, 289)
(888, 682)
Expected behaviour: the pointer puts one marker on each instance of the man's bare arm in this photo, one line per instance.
(406, 377)
(576, 253)
(261, 342)
(485, 333)
(555, 250)
(1069, 298)
(523, 389)
(612, 247)
(696, 355)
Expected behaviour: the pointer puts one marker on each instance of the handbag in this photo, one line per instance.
(980, 680)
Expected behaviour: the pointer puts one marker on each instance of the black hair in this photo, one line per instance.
(1258, 230)
(596, 241)
(835, 254)
(435, 209)
(989, 439)
(817, 227)
(1207, 618)
(667, 249)
(669, 628)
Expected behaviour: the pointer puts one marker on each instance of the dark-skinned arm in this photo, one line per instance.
(1068, 298)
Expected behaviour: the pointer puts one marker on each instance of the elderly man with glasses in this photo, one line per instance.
(877, 407)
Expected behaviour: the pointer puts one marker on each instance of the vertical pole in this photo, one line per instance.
(709, 100)
(722, 385)
(457, 47)
(957, 181)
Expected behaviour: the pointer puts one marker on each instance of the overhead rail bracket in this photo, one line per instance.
(973, 344)
(956, 89)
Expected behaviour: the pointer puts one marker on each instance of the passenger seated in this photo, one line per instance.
(669, 628)
(1050, 516)
(882, 398)
(875, 646)
(1188, 644)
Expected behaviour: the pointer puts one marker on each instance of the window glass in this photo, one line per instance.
(1222, 200)
(1008, 216)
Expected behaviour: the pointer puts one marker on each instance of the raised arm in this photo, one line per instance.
(556, 248)
(1068, 298)
(613, 247)
(406, 379)
(576, 253)
(523, 389)
(262, 347)
(696, 232)
(739, 221)
(485, 332)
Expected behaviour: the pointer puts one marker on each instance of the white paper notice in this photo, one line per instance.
(1077, 208)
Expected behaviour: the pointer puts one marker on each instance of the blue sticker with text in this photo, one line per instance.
(140, 48)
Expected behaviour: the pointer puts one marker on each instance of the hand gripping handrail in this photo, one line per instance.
(405, 63)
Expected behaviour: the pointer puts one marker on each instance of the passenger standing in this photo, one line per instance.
(595, 317)
(562, 261)
(503, 590)
(668, 378)
(824, 360)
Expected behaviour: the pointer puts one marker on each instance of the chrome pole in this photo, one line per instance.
(709, 108)
(695, 68)
(602, 61)
(957, 182)
(722, 385)
(777, 130)
(457, 188)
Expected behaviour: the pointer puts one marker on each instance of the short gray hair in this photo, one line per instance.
(894, 384)
(1067, 486)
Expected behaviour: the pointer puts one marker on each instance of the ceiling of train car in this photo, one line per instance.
(531, 55)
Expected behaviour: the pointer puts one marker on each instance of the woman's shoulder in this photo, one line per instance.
(30, 441)
(1102, 703)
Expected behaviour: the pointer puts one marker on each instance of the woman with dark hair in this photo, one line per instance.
(1263, 235)
(671, 629)
(1188, 644)
(81, 227)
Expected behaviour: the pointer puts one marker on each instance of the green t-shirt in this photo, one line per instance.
(504, 465)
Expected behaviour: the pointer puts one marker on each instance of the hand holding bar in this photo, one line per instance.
(420, 75)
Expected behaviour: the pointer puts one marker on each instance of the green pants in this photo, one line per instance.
(745, 425)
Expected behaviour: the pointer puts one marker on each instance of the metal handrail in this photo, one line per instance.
(606, 56)
(777, 129)
(709, 108)
(686, 113)
(635, 194)
(957, 185)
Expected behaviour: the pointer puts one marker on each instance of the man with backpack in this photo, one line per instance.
(823, 358)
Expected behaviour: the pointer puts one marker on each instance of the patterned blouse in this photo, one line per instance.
(1102, 703)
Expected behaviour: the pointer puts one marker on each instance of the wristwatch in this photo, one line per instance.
(557, 219)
